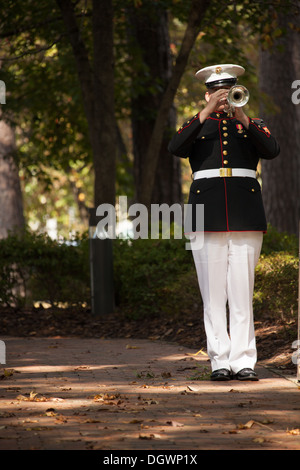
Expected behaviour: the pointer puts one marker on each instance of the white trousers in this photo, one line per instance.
(225, 268)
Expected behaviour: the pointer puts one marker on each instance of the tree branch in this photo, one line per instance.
(37, 26)
(33, 51)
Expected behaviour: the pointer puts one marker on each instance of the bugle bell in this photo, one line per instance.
(238, 96)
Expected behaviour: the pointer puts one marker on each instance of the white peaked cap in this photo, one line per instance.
(218, 75)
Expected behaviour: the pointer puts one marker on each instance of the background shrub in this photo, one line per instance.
(158, 276)
(34, 267)
(151, 277)
(148, 275)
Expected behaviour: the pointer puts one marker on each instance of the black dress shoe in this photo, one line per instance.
(246, 374)
(220, 374)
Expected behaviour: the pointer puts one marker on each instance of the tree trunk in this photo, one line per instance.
(197, 12)
(104, 130)
(167, 183)
(11, 203)
(148, 31)
(96, 79)
(281, 177)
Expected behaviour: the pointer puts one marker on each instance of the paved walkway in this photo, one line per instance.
(95, 394)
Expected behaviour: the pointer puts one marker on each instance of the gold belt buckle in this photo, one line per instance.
(225, 172)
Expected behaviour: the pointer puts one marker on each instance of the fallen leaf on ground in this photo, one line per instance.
(149, 436)
(192, 388)
(251, 423)
(90, 420)
(248, 425)
(107, 399)
(32, 397)
(267, 421)
(197, 353)
(38, 428)
(150, 402)
(259, 440)
(50, 414)
(166, 375)
(294, 432)
(61, 419)
(175, 424)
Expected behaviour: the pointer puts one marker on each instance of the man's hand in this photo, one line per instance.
(216, 101)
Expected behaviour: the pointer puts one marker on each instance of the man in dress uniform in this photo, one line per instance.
(224, 147)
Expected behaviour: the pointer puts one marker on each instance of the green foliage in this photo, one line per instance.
(34, 267)
(151, 277)
(276, 281)
(276, 287)
(147, 273)
(44, 99)
(155, 277)
(275, 241)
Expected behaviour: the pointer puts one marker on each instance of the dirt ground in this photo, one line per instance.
(274, 338)
(74, 382)
(130, 394)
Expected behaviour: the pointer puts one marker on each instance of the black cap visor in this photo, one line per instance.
(218, 83)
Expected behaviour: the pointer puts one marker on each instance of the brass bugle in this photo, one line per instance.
(238, 96)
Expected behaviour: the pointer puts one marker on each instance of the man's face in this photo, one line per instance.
(211, 91)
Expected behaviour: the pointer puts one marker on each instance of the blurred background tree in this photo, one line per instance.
(279, 68)
(96, 88)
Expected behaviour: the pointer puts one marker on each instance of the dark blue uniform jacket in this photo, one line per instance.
(230, 203)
